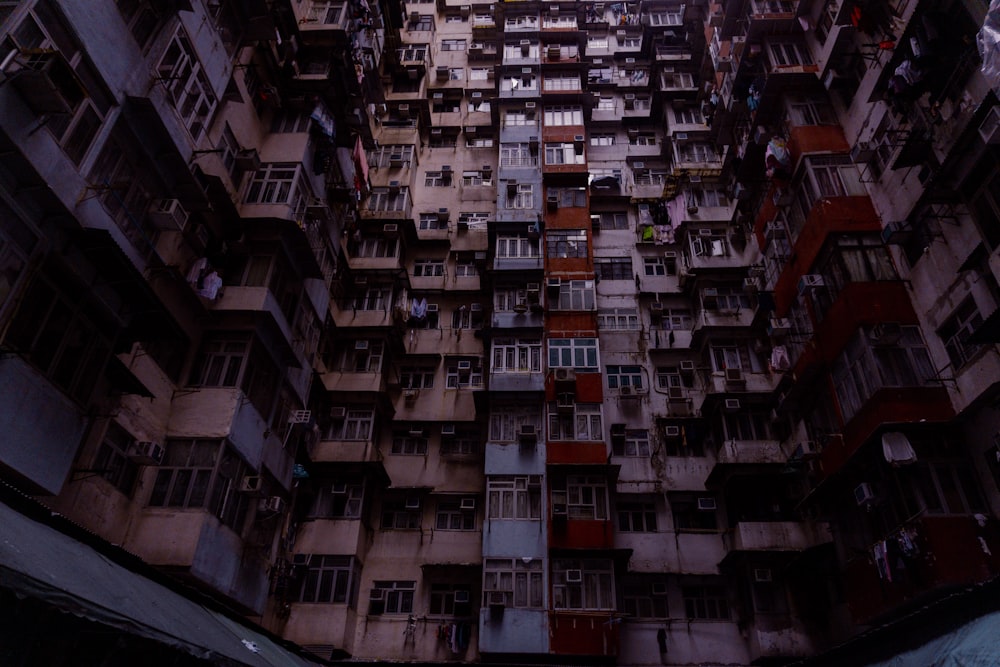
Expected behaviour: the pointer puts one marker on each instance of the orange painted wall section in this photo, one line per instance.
(569, 452)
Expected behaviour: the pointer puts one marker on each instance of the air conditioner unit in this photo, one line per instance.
(168, 214)
(410, 395)
(251, 484)
(574, 576)
(438, 96)
(247, 159)
(778, 326)
(553, 285)
(810, 281)
(465, 10)
(762, 574)
(447, 430)
(442, 74)
(525, 47)
(442, 215)
(496, 599)
(467, 504)
(618, 431)
(528, 431)
(595, 222)
(272, 505)
(414, 17)
(734, 375)
(339, 488)
(432, 308)
(659, 588)
(732, 404)
(394, 187)
(886, 333)
(412, 503)
(706, 504)
(671, 431)
(565, 375)
(396, 160)
(896, 232)
(710, 298)
(390, 231)
(552, 201)
(416, 432)
(626, 391)
(361, 282)
(146, 452)
(533, 289)
(559, 510)
(376, 594)
(476, 95)
(565, 404)
(404, 109)
(465, 365)
(45, 81)
(638, 165)
(630, 61)
(338, 414)
(687, 368)
(989, 129)
(675, 393)
(554, 52)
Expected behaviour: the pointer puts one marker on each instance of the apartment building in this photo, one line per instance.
(624, 333)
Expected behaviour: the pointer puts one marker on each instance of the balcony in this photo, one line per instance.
(749, 454)
(519, 382)
(352, 382)
(345, 451)
(235, 298)
(771, 536)
(948, 551)
(737, 381)
(670, 53)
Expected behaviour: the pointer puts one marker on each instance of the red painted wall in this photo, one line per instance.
(582, 633)
(562, 451)
(861, 304)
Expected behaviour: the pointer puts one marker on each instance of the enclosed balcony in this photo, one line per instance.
(768, 536)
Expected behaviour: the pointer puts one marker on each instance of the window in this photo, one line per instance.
(141, 18)
(981, 191)
(583, 423)
(828, 176)
(431, 221)
(291, 122)
(564, 153)
(518, 82)
(563, 115)
(635, 443)
(511, 355)
(602, 139)
(693, 151)
(466, 268)
(706, 602)
(583, 584)
(189, 88)
(428, 268)
(477, 177)
(636, 517)
(606, 104)
(480, 105)
(450, 600)
(650, 176)
(688, 116)
(391, 597)
(730, 354)
(341, 499)
(479, 73)
(519, 119)
(126, 198)
(624, 376)
(683, 441)
(112, 461)
(613, 268)
(516, 155)
(279, 183)
(463, 373)
(863, 368)
(597, 42)
(87, 98)
(612, 221)
(517, 51)
(659, 266)
(519, 581)
(553, 82)
(618, 319)
(725, 299)
(409, 442)
(746, 425)
(465, 317)
(451, 515)
(788, 54)
(575, 295)
(391, 156)
(644, 596)
(854, 259)
(436, 179)
(361, 356)
(668, 376)
(474, 220)
(579, 353)
(805, 111)
(416, 377)
(957, 329)
(18, 242)
(568, 197)
(202, 473)
(665, 19)
(453, 45)
(693, 513)
(514, 497)
(384, 200)
(707, 197)
(412, 53)
(520, 196)
(60, 338)
(331, 580)
(357, 426)
(567, 243)
(463, 445)
(472, 142)
(506, 423)
(373, 298)
(400, 514)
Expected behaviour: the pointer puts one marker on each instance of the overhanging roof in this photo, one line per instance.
(41, 562)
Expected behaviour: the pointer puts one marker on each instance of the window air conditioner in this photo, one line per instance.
(762, 574)
(574, 576)
(251, 484)
(671, 431)
(461, 597)
(467, 504)
(810, 281)
(145, 452)
(465, 365)
(863, 494)
(734, 375)
(706, 504)
(496, 599)
(659, 588)
(272, 505)
(390, 231)
(338, 413)
(168, 215)
(732, 404)
(412, 503)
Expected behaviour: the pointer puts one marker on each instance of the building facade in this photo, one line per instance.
(626, 332)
